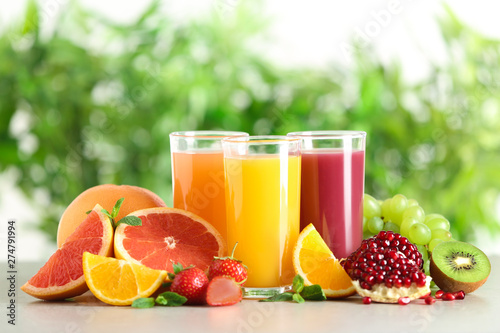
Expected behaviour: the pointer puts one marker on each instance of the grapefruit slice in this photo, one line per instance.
(62, 275)
(119, 282)
(315, 262)
(168, 235)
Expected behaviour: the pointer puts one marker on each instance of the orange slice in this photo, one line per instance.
(314, 261)
(168, 235)
(62, 276)
(119, 282)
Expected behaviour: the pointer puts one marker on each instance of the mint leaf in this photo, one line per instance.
(284, 297)
(144, 303)
(116, 208)
(313, 293)
(107, 213)
(169, 298)
(297, 298)
(88, 212)
(130, 220)
(298, 283)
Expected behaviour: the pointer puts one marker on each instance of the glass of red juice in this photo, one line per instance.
(332, 186)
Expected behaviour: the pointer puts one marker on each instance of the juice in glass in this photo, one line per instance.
(198, 174)
(263, 215)
(332, 187)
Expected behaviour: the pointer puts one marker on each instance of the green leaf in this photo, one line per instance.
(32, 21)
(130, 220)
(298, 283)
(297, 298)
(88, 212)
(116, 208)
(284, 297)
(167, 284)
(105, 212)
(144, 303)
(171, 276)
(313, 293)
(169, 298)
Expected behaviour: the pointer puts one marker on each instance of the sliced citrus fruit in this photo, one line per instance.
(315, 262)
(62, 275)
(168, 235)
(119, 282)
(106, 195)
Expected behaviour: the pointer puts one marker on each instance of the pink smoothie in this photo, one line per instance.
(332, 197)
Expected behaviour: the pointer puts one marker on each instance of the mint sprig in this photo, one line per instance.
(130, 220)
(300, 293)
(167, 298)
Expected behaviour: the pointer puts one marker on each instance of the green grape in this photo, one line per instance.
(434, 242)
(436, 221)
(371, 207)
(416, 212)
(392, 227)
(420, 234)
(365, 225)
(406, 225)
(375, 224)
(386, 208)
(425, 257)
(398, 205)
(440, 234)
(412, 202)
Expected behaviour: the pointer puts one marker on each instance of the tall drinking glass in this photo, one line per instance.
(263, 208)
(198, 174)
(333, 173)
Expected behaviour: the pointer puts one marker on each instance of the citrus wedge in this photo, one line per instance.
(314, 261)
(119, 282)
(62, 276)
(168, 235)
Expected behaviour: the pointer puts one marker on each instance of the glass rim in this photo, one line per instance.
(329, 134)
(205, 134)
(261, 139)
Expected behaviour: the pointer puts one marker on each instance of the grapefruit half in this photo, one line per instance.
(168, 235)
(106, 195)
(62, 275)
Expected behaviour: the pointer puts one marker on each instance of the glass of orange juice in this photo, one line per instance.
(198, 174)
(263, 208)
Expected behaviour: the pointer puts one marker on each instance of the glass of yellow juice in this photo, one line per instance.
(198, 174)
(262, 176)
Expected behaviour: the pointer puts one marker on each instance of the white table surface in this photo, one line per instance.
(478, 313)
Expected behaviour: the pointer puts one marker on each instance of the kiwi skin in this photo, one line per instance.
(448, 284)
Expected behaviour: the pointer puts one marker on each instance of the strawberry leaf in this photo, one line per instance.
(144, 303)
(177, 268)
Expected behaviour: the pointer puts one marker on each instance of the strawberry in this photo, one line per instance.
(228, 266)
(223, 290)
(189, 282)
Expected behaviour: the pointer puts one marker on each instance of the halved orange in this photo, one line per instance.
(119, 282)
(168, 235)
(315, 262)
(62, 276)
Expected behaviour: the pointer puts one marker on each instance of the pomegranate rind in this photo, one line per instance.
(381, 294)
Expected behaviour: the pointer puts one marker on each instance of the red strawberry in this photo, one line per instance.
(228, 266)
(222, 290)
(190, 282)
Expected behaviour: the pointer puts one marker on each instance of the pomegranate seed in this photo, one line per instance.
(398, 283)
(429, 300)
(425, 296)
(448, 297)
(439, 294)
(367, 300)
(459, 294)
(389, 282)
(370, 280)
(407, 282)
(404, 300)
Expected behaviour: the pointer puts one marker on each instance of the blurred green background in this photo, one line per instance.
(72, 117)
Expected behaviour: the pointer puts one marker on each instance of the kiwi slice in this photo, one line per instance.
(459, 266)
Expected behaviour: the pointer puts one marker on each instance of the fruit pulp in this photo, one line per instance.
(198, 186)
(263, 203)
(332, 197)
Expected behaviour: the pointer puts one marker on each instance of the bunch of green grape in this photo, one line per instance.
(404, 216)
